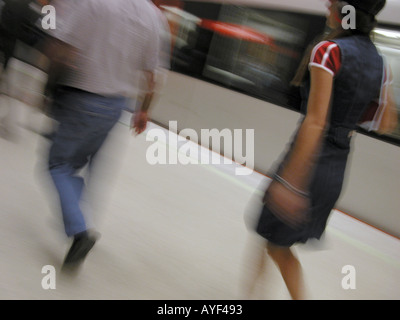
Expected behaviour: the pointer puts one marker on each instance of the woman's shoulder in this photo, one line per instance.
(325, 45)
(326, 55)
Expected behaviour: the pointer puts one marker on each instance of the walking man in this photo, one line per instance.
(97, 51)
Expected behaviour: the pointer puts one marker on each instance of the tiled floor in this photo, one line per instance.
(168, 231)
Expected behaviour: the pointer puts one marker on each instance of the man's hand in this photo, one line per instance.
(139, 121)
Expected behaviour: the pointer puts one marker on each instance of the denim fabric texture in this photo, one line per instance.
(85, 119)
(357, 83)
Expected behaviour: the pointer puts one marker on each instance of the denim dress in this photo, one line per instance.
(357, 83)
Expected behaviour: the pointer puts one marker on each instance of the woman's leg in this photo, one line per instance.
(290, 269)
(254, 266)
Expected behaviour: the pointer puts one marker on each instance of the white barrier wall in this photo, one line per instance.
(371, 193)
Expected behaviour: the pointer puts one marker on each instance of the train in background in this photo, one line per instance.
(231, 67)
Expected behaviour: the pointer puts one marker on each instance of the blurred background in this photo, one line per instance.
(179, 232)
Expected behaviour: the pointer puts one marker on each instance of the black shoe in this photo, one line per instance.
(80, 247)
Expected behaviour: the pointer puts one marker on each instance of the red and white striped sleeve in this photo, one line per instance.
(326, 55)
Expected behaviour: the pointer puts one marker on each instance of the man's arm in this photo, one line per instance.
(140, 118)
(61, 44)
(149, 82)
(61, 57)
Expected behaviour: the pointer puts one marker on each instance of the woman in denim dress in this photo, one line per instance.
(338, 78)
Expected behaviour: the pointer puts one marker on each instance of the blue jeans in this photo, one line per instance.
(84, 119)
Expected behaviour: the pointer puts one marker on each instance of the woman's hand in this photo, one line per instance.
(288, 206)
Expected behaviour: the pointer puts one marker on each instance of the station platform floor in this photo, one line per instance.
(168, 232)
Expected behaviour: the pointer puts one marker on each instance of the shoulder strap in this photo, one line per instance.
(383, 98)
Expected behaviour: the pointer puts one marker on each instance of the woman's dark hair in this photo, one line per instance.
(365, 23)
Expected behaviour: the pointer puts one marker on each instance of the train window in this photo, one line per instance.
(251, 50)
(255, 51)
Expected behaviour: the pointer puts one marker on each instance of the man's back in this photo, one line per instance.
(115, 39)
